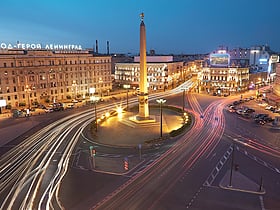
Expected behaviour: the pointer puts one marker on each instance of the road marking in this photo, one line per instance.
(218, 167)
(262, 203)
(262, 162)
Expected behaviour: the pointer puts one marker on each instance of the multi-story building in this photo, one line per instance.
(194, 67)
(38, 76)
(276, 85)
(221, 76)
(163, 72)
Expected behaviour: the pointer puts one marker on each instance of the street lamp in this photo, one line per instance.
(161, 101)
(126, 87)
(232, 162)
(184, 92)
(94, 100)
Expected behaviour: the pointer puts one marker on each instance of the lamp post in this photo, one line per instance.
(94, 100)
(184, 92)
(232, 162)
(161, 101)
(95, 115)
(126, 87)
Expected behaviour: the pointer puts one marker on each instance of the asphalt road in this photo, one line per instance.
(176, 178)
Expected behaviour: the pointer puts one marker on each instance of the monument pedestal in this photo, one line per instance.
(142, 120)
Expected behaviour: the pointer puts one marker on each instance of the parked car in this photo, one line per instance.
(239, 111)
(260, 116)
(269, 107)
(49, 109)
(69, 106)
(249, 110)
(236, 102)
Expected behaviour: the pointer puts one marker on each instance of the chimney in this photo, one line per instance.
(108, 52)
(96, 46)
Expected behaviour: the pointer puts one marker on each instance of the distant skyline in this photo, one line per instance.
(177, 26)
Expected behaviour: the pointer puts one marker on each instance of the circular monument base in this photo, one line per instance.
(142, 120)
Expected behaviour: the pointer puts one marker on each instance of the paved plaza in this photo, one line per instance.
(120, 131)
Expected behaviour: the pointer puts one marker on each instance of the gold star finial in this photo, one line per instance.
(142, 16)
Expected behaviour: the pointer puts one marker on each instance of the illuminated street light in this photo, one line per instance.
(95, 100)
(126, 87)
(184, 93)
(119, 111)
(161, 101)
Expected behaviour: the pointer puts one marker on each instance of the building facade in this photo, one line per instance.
(39, 76)
(224, 80)
(162, 72)
(221, 76)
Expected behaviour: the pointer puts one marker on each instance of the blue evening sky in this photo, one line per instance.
(172, 26)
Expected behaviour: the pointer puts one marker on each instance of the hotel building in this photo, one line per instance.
(43, 76)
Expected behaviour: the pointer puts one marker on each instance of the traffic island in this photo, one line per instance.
(240, 182)
(121, 131)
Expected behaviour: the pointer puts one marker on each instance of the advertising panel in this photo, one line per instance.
(218, 59)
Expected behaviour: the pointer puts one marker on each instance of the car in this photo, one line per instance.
(49, 109)
(69, 106)
(261, 122)
(260, 116)
(236, 102)
(246, 115)
(74, 101)
(268, 107)
(239, 111)
(268, 119)
(249, 110)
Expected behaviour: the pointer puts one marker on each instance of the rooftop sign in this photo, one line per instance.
(219, 59)
(33, 46)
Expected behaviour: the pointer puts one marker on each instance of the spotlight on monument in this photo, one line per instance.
(119, 111)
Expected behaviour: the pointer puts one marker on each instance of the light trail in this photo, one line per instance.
(199, 142)
(24, 169)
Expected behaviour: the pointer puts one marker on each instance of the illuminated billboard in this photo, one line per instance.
(219, 59)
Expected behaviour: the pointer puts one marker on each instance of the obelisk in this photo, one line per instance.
(143, 84)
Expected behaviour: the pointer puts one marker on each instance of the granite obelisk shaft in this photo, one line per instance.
(143, 83)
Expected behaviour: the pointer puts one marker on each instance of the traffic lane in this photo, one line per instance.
(81, 189)
(159, 180)
(218, 198)
(192, 192)
(252, 134)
